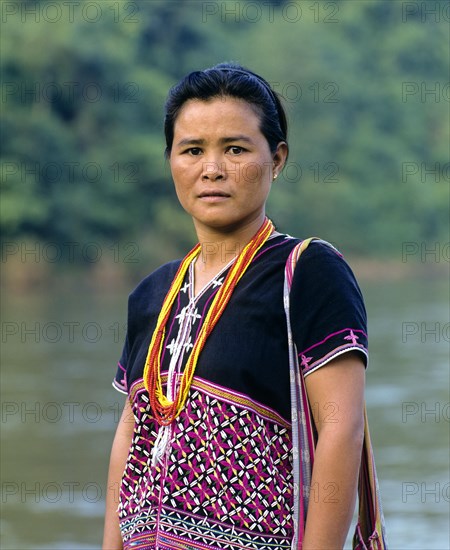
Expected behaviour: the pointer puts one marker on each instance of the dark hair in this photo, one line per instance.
(233, 80)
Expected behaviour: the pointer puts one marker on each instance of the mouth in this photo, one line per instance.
(213, 195)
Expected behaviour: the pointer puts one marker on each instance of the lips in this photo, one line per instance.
(213, 193)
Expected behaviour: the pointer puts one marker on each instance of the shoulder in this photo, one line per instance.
(327, 307)
(323, 270)
(320, 257)
(321, 251)
(324, 259)
(155, 283)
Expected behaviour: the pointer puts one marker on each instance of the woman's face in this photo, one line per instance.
(221, 163)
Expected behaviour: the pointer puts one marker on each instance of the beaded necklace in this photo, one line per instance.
(164, 410)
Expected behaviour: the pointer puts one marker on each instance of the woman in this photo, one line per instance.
(202, 453)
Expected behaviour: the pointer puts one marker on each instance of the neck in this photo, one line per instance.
(219, 248)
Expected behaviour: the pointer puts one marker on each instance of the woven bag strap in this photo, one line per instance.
(370, 530)
(302, 428)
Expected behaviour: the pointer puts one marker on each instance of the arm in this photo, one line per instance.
(112, 539)
(336, 395)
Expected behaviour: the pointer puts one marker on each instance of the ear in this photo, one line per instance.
(279, 157)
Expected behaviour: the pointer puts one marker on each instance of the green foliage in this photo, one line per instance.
(82, 107)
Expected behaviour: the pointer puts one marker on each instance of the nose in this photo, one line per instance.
(213, 171)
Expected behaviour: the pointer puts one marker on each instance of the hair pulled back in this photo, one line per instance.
(233, 80)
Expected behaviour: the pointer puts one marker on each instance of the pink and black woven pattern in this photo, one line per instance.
(226, 482)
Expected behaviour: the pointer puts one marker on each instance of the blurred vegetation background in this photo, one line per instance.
(365, 85)
(88, 208)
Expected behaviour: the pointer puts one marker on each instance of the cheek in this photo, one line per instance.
(176, 178)
(184, 181)
(184, 169)
(259, 173)
(253, 173)
(178, 173)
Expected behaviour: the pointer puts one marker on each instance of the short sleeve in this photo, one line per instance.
(144, 305)
(120, 380)
(328, 315)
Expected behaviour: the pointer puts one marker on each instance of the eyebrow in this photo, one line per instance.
(224, 140)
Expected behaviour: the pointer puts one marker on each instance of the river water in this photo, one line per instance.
(59, 412)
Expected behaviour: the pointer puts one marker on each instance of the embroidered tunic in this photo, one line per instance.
(225, 481)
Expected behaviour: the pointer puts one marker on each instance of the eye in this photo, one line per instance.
(194, 151)
(236, 150)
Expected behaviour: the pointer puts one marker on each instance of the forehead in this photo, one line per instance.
(218, 113)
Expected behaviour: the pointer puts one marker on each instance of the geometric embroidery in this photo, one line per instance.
(330, 347)
(225, 482)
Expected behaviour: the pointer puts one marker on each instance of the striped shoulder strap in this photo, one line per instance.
(370, 531)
